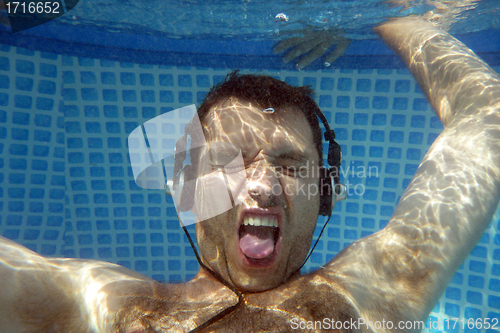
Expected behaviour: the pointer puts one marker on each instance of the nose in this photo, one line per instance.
(263, 186)
(262, 193)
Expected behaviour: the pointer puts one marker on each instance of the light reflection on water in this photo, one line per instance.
(256, 21)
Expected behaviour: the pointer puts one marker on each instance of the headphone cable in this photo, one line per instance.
(311, 252)
(226, 311)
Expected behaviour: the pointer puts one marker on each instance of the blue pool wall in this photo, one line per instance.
(211, 51)
(68, 190)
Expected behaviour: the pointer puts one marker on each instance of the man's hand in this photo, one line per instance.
(313, 46)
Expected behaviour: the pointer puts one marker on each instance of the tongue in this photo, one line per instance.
(257, 242)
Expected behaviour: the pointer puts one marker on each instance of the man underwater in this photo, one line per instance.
(395, 275)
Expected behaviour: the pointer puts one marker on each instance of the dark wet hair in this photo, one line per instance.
(267, 92)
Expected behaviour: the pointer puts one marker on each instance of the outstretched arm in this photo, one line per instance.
(38, 294)
(400, 272)
(59, 295)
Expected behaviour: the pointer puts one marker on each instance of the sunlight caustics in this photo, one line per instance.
(455, 191)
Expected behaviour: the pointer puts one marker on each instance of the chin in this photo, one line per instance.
(259, 280)
(255, 285)
(254, 254)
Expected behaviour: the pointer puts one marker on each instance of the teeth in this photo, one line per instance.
(264, 222)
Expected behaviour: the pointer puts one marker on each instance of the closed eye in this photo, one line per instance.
(292, 171)
(230, 168)
(293, 157)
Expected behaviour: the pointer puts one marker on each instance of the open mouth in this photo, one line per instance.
(258, 237)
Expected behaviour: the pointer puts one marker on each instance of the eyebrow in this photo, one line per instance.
(294, 155)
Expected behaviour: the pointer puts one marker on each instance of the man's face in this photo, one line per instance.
(281, 191)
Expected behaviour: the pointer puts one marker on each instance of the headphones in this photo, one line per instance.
(182, 187)
(331, 189)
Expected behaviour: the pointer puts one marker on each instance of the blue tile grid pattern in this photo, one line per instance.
(68, 189)
(32, 150)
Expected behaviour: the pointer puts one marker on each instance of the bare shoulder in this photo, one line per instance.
(384, 276)
(40, 294)
(34, 292)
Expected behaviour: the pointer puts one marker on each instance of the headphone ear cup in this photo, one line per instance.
(326, 192)
(186, 201)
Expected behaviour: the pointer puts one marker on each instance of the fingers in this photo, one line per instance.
(287, 43)
(337, 52)
(312, 47)
(298, 51)
(304, 47)
(316, 53)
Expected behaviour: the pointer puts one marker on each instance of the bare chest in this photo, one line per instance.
(294, 308)
(288, 316)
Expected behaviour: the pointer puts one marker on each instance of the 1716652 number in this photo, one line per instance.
(27, 14)
(480, 323)
(47, 7)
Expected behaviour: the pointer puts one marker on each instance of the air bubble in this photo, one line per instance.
(281, 17)
(268, 110)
